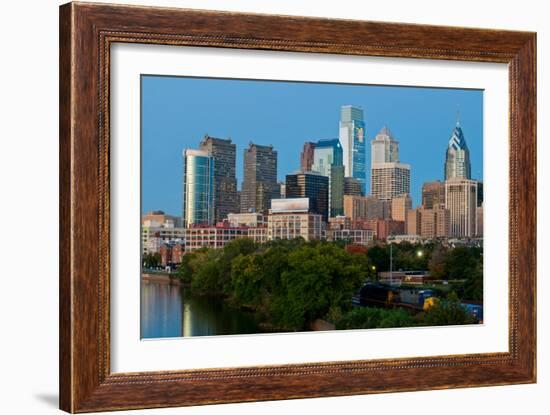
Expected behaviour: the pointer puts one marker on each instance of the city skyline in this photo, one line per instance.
(164, 128)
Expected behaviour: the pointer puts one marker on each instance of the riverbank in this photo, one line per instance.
(163, 278)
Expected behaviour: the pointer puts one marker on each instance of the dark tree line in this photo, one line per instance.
(293, 282)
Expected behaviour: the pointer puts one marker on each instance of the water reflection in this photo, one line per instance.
(172, 311)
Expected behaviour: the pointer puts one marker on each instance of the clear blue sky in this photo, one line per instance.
(178, 111)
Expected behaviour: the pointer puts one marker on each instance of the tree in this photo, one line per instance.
(379, 257)
(461, 261)
(438, 262)
(473, 287)
(206, 271)
(151, 260)
(232, 250)
(372, 317)
(447, 311)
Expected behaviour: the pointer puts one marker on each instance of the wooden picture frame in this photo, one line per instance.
(86, 33)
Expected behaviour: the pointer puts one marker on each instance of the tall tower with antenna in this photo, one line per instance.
(457, 158)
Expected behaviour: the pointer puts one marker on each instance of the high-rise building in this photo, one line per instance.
(364, 208)
(479, 221)
(198, 188)
(306, 157)
(414, 222)
(429, 223)
(457, 159)
(384, 148)
(461, 201)
(311, 185)
(400, 206)
(352, 186)
(260, 178)
(435, 223)
(353, 141)
(433, 194)
(389, 177)
(387, 227)
(479, 193)
(224, 152)
(328, 161)
(282, 190)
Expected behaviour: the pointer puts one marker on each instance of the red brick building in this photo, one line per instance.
(171, 253)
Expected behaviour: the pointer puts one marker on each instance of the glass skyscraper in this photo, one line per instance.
(198, 188)
(457, 160)
(328, 161)
(352, 139)
(312, 185)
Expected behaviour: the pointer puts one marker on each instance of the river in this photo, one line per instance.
(173, 311)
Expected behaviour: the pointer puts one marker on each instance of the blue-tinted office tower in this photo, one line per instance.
(198, 188)
(328, 161)
(352, 139)
(457, 157)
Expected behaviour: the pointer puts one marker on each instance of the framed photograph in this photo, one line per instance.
(258, 207)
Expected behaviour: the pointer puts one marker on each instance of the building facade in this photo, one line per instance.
(294, 224)
(224, 153)
(152, 237)
(457, 157)
(433, 194)
(386, 227)
(429, 223)
(352, 236)
(461, 201)
(260, 178)
(479, 221)
(311, 185)
(214, 237)
(365, 208)
(389, 180)
(353, 141)
(400, 206)
(389, 177)
(384, 148)
(306, 156)
(171, 253)
(247, 219)
(198, 188)
(352, 187)
(328, 161)
(159, 218)
(414, 222)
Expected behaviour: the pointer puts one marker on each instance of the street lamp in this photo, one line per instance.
(419, 254)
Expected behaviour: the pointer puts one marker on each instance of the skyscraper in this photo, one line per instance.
(306, 156)
(328, 161)
(352, 186)
(352, 139)
(433, 194)
(364, 208)
(389, 177)
(457, 159)
(260, 178)
(225, 180)
(312, 185)
(384, 148)
(400, 206)
(198, 188)
(461, 201)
